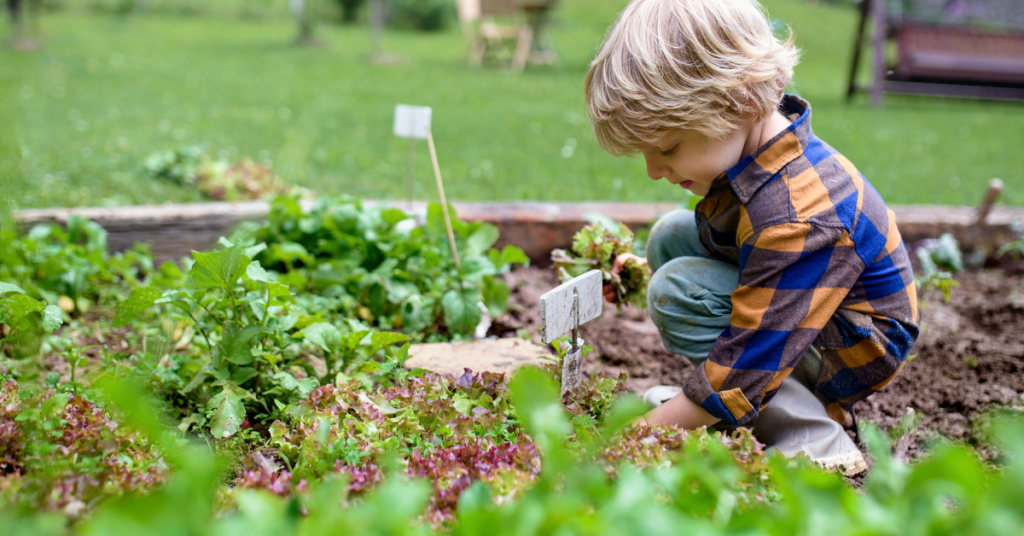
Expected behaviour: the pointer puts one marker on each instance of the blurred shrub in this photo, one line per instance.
(427, 15)
(350, 10)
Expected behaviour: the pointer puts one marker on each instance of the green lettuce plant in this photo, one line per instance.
(374, 264)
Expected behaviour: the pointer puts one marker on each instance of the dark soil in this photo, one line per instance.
(623, 341)
(969, 359)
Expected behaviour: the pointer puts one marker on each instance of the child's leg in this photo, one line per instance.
(673, 236)
(689, 299)
(795, 422)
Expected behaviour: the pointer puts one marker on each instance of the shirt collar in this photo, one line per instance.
(757, 168)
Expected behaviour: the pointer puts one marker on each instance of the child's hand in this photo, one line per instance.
(609, 290)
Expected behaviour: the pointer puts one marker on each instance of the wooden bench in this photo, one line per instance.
(953, 59)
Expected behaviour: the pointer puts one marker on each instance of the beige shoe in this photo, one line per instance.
(849, 463)
(659, 394)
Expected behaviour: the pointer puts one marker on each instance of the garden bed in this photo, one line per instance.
(279, 353)
(969, 359)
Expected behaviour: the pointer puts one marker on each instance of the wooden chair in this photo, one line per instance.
(496, 32)
(945, 53)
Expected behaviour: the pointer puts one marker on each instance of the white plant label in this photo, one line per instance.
(412, 121)
(557, 316)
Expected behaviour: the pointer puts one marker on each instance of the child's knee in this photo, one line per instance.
(673, 235)
(691, 290)
(671, 226)
(689, 305)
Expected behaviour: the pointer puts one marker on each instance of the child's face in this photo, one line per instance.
(692, 160)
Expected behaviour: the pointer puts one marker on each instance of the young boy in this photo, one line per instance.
(789, 287)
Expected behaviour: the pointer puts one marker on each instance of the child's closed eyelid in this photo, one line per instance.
(671, 151)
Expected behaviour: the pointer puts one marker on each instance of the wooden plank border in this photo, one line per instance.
(174, 231)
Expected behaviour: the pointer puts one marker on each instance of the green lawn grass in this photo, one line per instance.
(103, 92)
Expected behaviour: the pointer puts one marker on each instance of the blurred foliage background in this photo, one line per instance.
(113, 81)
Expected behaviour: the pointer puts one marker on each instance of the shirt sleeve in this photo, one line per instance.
(793, 277)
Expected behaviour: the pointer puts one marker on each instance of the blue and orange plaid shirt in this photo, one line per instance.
(820, 262)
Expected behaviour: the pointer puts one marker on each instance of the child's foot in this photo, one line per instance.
(659, 394)
(849, 463)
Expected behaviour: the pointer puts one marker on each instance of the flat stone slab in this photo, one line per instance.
(494, 355)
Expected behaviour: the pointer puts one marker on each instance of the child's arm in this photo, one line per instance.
(682, 412)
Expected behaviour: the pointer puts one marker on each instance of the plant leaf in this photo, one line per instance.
(243, 375)
(53, 404)
(435, 220)
(141, 298)
(256, 272)
(252, 251)
(53, 318)
(393, 215)
(6, 288)
(14, 308)
(510, 255)
(198, 380)
(219, 268)
(417, 315)
(277, 290)
(236, 345)
(473, 268)
(228, 412)
(385, 338)
(482, 239)
(496, 294)
(461, 313)
(324, 335)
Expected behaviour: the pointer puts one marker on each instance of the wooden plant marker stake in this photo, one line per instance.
(444, 202)
(995, 187)
(565, 309)
(412, 122)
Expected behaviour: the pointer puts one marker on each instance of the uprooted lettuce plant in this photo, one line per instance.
(596, 247)
(375, 264)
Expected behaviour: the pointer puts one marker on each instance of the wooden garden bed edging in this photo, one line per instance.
(174, 231)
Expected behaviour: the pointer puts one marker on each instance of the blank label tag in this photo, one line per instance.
(556, 314)
(412, 121)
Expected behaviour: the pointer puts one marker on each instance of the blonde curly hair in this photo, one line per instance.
(703, 65)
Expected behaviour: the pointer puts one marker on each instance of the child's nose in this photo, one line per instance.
(655, 169)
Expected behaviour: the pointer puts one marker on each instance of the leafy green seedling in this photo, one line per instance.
(943, 252)
(21, 313)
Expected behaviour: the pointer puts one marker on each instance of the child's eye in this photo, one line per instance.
(671, 151)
